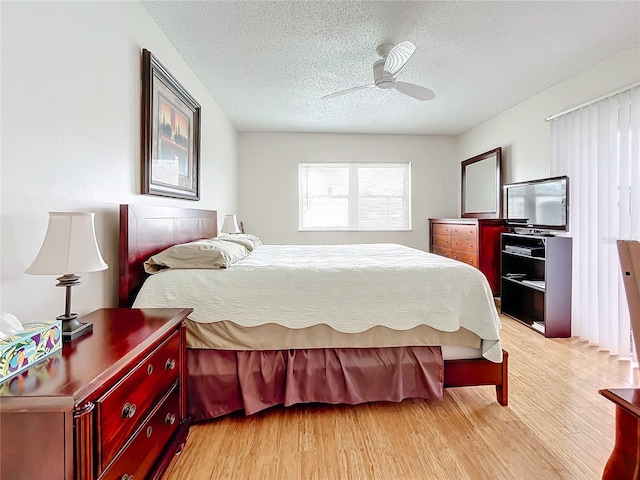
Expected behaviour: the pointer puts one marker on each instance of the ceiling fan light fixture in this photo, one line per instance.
(381, 79)
(386, 85)
(385, 70)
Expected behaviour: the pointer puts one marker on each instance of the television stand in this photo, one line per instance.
(535, 281)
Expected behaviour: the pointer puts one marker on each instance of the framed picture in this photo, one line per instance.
(170, 134)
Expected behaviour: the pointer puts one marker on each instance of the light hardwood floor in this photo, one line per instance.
(556, 426)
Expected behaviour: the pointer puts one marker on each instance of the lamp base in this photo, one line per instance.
(73, 328)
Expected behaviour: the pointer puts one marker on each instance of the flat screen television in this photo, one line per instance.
(538, 204)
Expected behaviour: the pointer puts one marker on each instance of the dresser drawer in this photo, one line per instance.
(463, 244)
(469, 258)
(445, 252)
(473, 241)
(146, 445)
(441, 241)
(441, 229)
(466, 231)
(123, 407)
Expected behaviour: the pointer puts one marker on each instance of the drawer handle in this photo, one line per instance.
(170, 364)
(170, 419)
(149, 369)
(149, 431)
(129, 410)
(126, 477)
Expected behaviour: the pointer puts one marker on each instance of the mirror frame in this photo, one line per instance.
(494, 155)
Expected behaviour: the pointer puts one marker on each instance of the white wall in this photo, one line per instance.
(268, 166)
(522, 131)
(71, 138)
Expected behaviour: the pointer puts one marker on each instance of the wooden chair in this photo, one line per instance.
(624, 462)
(629, 254)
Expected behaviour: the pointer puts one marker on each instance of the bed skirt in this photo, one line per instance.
(224, 381)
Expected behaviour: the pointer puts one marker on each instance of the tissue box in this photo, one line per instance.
(30, 379)
(26, 348)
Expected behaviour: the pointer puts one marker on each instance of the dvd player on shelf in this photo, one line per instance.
(524, 250)
(516, 276)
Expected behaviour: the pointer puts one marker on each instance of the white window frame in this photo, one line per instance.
(353, 196)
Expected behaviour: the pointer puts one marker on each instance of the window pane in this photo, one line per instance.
(326, 212)
(328, 181)
(381, 213)
(355, 196)
(381, 181)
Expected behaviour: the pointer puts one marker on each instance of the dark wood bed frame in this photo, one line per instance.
(146, 230)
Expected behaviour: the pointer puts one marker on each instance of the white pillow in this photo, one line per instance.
(245, 239)
(210, 253)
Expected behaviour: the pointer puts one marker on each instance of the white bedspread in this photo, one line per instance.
(348, 287)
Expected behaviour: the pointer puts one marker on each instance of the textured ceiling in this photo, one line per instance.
(268, 63)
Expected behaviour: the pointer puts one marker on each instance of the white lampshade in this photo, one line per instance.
(230, 224)
(69, 246)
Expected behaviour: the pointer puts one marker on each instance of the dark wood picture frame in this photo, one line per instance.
(170, 134)
(492, 160)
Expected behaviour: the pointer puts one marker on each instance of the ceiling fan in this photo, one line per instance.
(385, 70)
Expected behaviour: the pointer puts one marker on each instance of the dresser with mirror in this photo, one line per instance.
(475, 238)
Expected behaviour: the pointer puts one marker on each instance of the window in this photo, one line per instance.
(354, 196)
(597, 147)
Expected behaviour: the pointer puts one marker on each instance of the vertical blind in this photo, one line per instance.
(354, 196)
(598, 147)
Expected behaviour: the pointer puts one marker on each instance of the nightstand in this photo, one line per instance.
(110, 404)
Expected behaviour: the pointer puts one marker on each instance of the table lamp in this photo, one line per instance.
(230, 224)
(69, 246)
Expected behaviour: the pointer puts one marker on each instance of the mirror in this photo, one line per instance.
(482, 185)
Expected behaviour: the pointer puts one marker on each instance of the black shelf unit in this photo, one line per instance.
(535, 281)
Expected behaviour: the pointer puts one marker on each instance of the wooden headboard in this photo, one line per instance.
(147, 230)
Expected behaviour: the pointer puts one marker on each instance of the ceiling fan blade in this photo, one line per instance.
(348, 90)
(415, 91)
(398, 57)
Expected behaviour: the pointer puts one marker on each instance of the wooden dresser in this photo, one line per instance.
(109, 405)
(475, 241)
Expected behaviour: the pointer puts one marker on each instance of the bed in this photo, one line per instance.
(251, 365)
